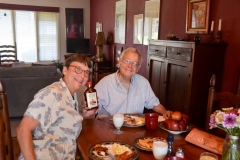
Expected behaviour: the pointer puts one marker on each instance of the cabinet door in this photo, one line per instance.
(156, 68)
(177, 86)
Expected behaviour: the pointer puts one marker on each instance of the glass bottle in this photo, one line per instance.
(170, 139)
(179, 153)
(231, 148)
(90, 95)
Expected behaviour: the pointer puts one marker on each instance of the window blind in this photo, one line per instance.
(26, 36)
(36, 34)
(48, 37)
(6, 27)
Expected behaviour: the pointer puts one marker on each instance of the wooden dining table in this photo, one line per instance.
(101, 130)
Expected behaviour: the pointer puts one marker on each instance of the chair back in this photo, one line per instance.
(8, 54)
(214, 99)
(6, 148)
(114, 67)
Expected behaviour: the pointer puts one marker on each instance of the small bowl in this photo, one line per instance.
(174, 158)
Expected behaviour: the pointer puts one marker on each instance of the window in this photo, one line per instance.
(35, 32)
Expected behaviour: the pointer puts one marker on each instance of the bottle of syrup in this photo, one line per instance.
(90, 95)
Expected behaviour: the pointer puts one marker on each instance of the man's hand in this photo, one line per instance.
(167, 114)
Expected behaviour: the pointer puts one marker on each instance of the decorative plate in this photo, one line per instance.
(189, 127)
(134, 120)
(108, 154)
(145, 143)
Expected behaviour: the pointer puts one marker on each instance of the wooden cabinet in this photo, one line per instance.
(179, 73)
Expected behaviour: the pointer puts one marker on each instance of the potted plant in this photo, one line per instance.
(59, 65)
(101, 57)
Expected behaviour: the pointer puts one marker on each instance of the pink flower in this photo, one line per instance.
(229, 120)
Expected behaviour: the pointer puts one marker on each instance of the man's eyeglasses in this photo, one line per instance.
(79, 70)
(127, 61)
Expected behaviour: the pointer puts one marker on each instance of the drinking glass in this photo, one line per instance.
(208, 156)
(159, 149)
(118, 120)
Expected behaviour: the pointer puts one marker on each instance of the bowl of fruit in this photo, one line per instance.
(177, 123)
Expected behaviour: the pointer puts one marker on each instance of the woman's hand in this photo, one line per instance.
(86, 111)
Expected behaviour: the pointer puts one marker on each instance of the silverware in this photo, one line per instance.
(111, 156)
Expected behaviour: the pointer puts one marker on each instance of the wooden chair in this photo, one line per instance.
(114, 67)
(215, 98)
(8, 54)
(6, 148)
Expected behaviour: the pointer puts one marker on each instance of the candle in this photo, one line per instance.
(212, 26)
(220, 25)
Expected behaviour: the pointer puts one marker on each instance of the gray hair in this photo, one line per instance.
(134, 50)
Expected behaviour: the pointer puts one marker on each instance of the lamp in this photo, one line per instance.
(99, 42)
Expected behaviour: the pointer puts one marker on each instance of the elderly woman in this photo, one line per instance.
(52, 122)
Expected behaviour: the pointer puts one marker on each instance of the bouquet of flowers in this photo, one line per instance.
(227, 119)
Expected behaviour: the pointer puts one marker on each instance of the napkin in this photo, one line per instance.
(161, 118)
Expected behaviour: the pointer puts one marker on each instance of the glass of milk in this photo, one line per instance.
(159, 149)
(208, 156)
(118, 120)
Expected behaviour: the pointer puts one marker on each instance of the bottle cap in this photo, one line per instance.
(170, 138)
(89, 82)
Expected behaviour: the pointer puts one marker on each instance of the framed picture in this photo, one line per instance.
(98, 27)
(197, 17)
(74, 23)
(120, 22)
(151, 20)
(138, 29)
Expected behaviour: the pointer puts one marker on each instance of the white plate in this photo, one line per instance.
(133, 116)
(139, 146)
(109, 144)
(189, 127)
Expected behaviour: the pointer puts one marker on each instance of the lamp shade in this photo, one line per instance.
(100, 39)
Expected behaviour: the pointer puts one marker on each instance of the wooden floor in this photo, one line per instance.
(16, 150)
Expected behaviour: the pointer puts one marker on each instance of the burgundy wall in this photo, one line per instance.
(173, 21)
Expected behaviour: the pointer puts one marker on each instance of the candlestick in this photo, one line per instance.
(218, 37)
(210, 39)
(220, 25)
(212, 25)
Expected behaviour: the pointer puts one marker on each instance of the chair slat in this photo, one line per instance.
(8, 53)
(8, 150)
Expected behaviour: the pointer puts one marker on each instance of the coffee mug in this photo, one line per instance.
(151, 121)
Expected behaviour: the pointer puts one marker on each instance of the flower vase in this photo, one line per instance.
(231, 148)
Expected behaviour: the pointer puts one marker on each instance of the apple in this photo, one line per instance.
(171, 124)
(182, 125)
(176, 115)
(185, 118)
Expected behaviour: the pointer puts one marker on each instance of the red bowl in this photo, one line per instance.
(174, 158)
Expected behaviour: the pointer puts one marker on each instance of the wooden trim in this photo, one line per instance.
(28, 8)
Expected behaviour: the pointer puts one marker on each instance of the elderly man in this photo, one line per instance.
(52, 121)
(125, 91)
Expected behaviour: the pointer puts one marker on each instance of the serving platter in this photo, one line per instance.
(109, 154)
(139, 142)
(189, 127)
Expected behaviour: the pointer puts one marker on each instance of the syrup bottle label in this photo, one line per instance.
(91, 100)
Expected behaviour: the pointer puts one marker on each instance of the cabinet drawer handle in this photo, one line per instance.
(178, 53)
(156, 50)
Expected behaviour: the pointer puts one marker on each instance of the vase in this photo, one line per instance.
(231, 148)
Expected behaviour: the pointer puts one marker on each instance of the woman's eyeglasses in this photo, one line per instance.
(79, 70)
